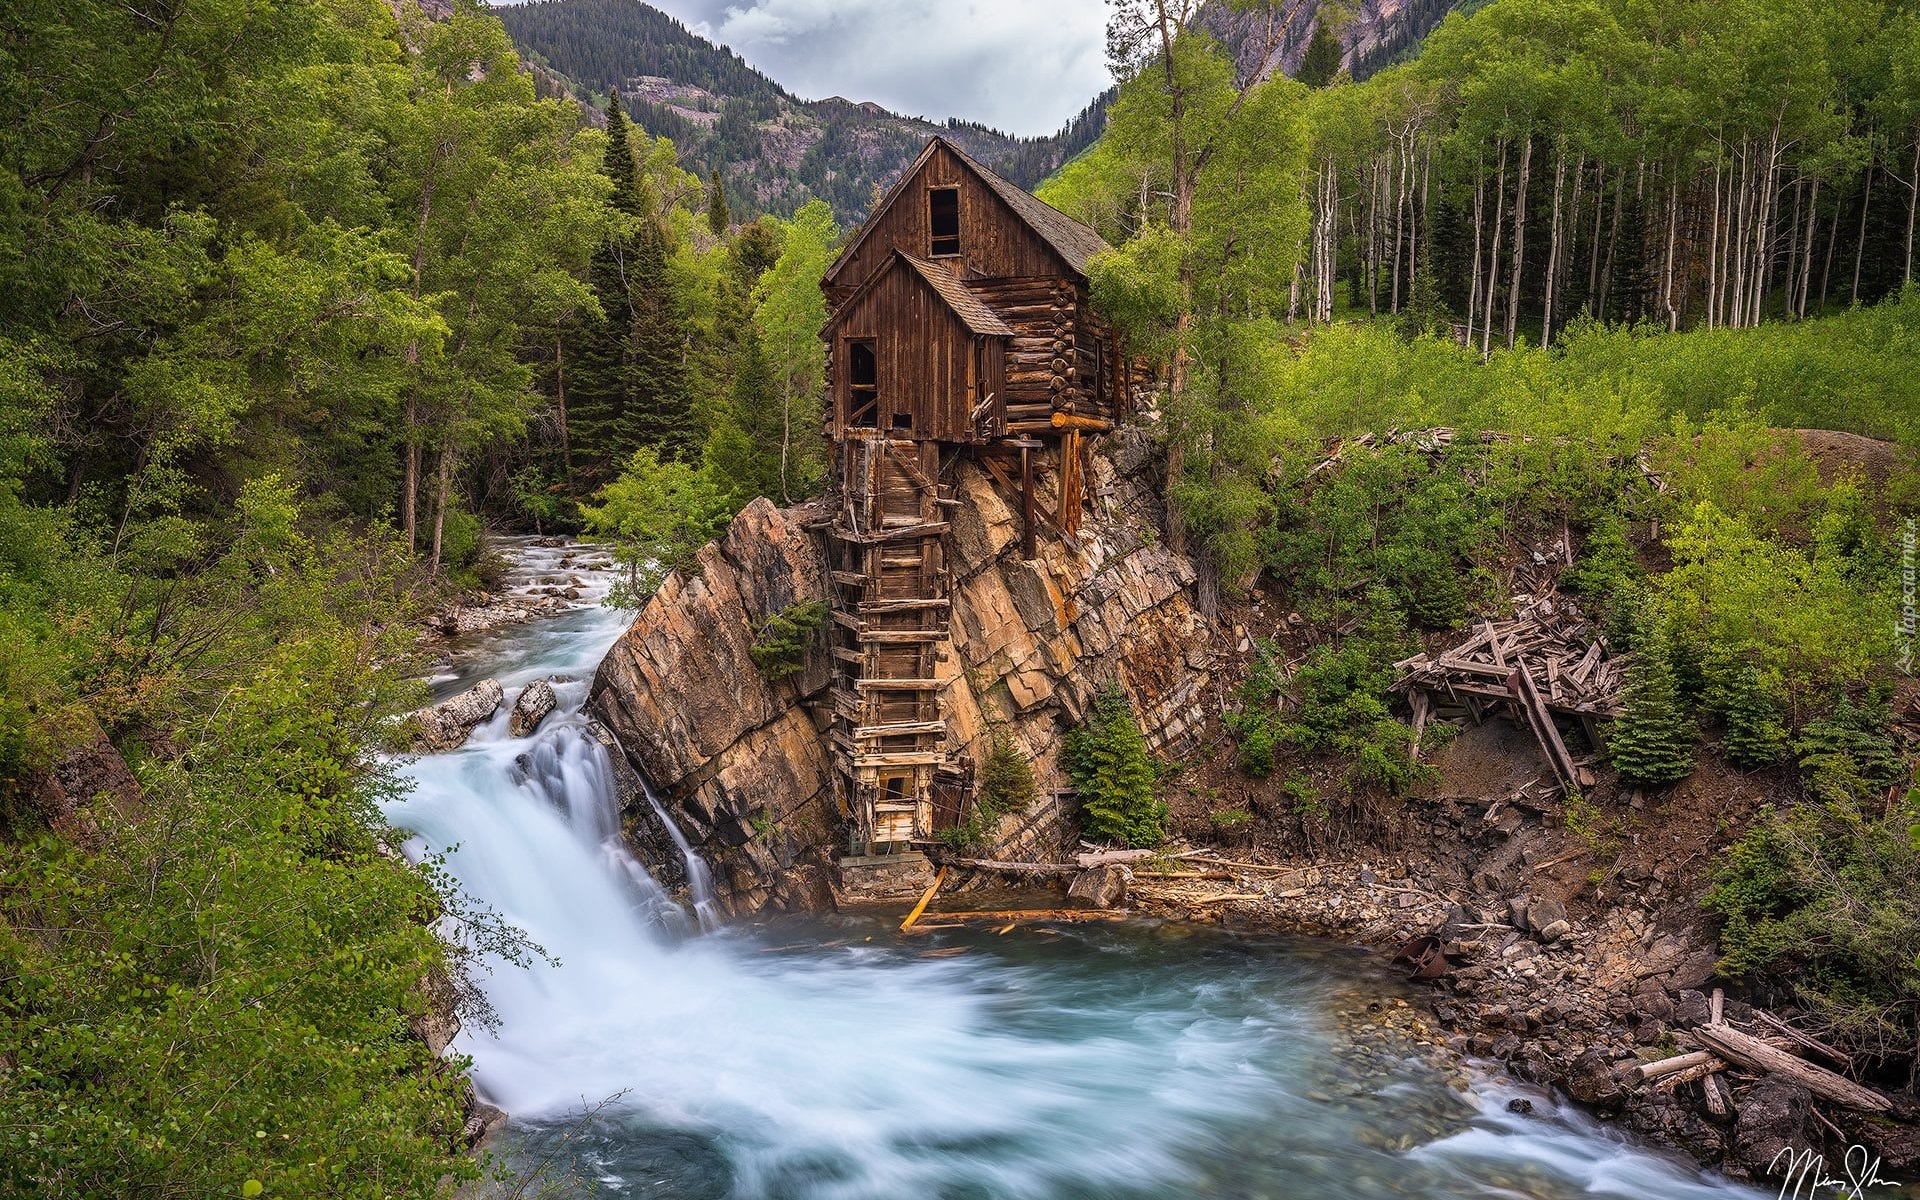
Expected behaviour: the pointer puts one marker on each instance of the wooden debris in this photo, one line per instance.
(925, 899)
(1103, 857)
(1719, 1095)
(1015, 868)
(1547, 659)
(1679, 1062)
(1808, 1041)
(1755, 1055)
(1225, 897)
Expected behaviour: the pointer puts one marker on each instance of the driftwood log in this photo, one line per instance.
(1679, 1062)
(1755, 1055)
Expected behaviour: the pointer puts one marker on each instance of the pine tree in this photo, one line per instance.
(601, 384)
(1756, 725)
(1321, 62)
(1108, 760)
(1653, 741)
(719, 220)
(659, 407)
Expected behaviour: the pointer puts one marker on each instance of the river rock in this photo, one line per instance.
(1100, 887)
(535, 702)
(445, 726)
(1773, 1117)
(1591, 1080)
(482, 1119)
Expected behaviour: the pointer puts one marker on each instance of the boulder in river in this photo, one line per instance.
(531, 708)
(1773, 1117)
(445, 726)
(1100, 887)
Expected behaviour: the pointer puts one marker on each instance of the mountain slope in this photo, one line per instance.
(1375, 35)
(774, 150)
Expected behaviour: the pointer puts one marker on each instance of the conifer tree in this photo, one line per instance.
(1653, 741)
(719, 220)
(1321, 62)
(659, 408)
(602, 369)
(1108, 760)
(1756, 728)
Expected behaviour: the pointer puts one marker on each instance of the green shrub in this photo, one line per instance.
(781, 642)
(1606, 562)
(1827, 899)
(1847, 755)
(1653, 742)
(1005, 784)
(1255, 722)
(1341, 694)
(1755, 717)
(1115, 776)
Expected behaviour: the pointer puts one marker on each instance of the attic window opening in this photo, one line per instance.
(863, 383)
(943, 220)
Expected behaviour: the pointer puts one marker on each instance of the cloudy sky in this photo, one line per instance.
(1024, 66)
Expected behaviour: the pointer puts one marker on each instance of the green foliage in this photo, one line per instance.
(782, 641)
(1827, 898)
(658, 514)
(1005, 785)
(1606, 562)
(1116, 778)
(1255, 722)
(1847, 756)
(1755, 717)
(1341, 697)
(1653, 741)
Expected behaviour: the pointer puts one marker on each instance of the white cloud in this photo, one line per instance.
(1024, 66)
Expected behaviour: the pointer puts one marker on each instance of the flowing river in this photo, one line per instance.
(832, 1059)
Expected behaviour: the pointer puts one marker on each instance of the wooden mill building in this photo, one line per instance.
(960, 328)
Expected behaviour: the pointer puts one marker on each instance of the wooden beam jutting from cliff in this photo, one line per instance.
(1547, 659)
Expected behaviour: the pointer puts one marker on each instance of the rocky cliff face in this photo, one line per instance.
(742, 765)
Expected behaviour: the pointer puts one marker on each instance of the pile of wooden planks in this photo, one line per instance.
(1721, 1048)
(1545, 660)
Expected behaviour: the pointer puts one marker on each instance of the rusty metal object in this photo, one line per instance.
(1424, 958)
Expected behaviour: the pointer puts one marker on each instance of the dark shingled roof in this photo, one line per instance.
(1073, 241)
(965, 305)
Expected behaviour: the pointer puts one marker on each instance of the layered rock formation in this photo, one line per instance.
(742, 764)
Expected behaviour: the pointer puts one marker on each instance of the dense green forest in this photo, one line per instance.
(725, 116)
(297, 298)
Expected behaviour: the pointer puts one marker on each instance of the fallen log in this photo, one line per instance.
(1704, 1071)
(926, 899)
(1667, 1066)
(1103, 857)
(1836, 1057)
(1015, 868)
(1017, 915)
(1755, 1055)
(1719, 1095)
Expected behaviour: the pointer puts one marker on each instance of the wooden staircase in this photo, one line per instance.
(890, 629)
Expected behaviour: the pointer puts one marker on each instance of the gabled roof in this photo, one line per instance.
(965, 305)
(971, 309)
(1074, 242)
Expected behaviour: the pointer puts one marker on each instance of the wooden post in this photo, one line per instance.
(1027, 548)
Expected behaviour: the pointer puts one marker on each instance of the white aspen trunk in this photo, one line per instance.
(1571, 250)
(1791, 298)
(1673, 241)
(1399, 218)
(1593, 257)
(1613, 241)
(1713, 250)
(1806, 259)
(1553, 251)
(1826, 266)
(1737, 246)
(1913, 205)
(1479, 225)
(1860, 245)
(1493, 253)
(1519, 237)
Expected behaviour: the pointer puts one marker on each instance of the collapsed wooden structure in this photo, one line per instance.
(960, 328)
(1546, 661)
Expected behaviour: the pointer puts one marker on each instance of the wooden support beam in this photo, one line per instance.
(852, 579)
(902, 637)
(915, 758)
(900, 685)
(1062, 420)
(901, 729)
(903, 533)
(869, 608)
(856, 657)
